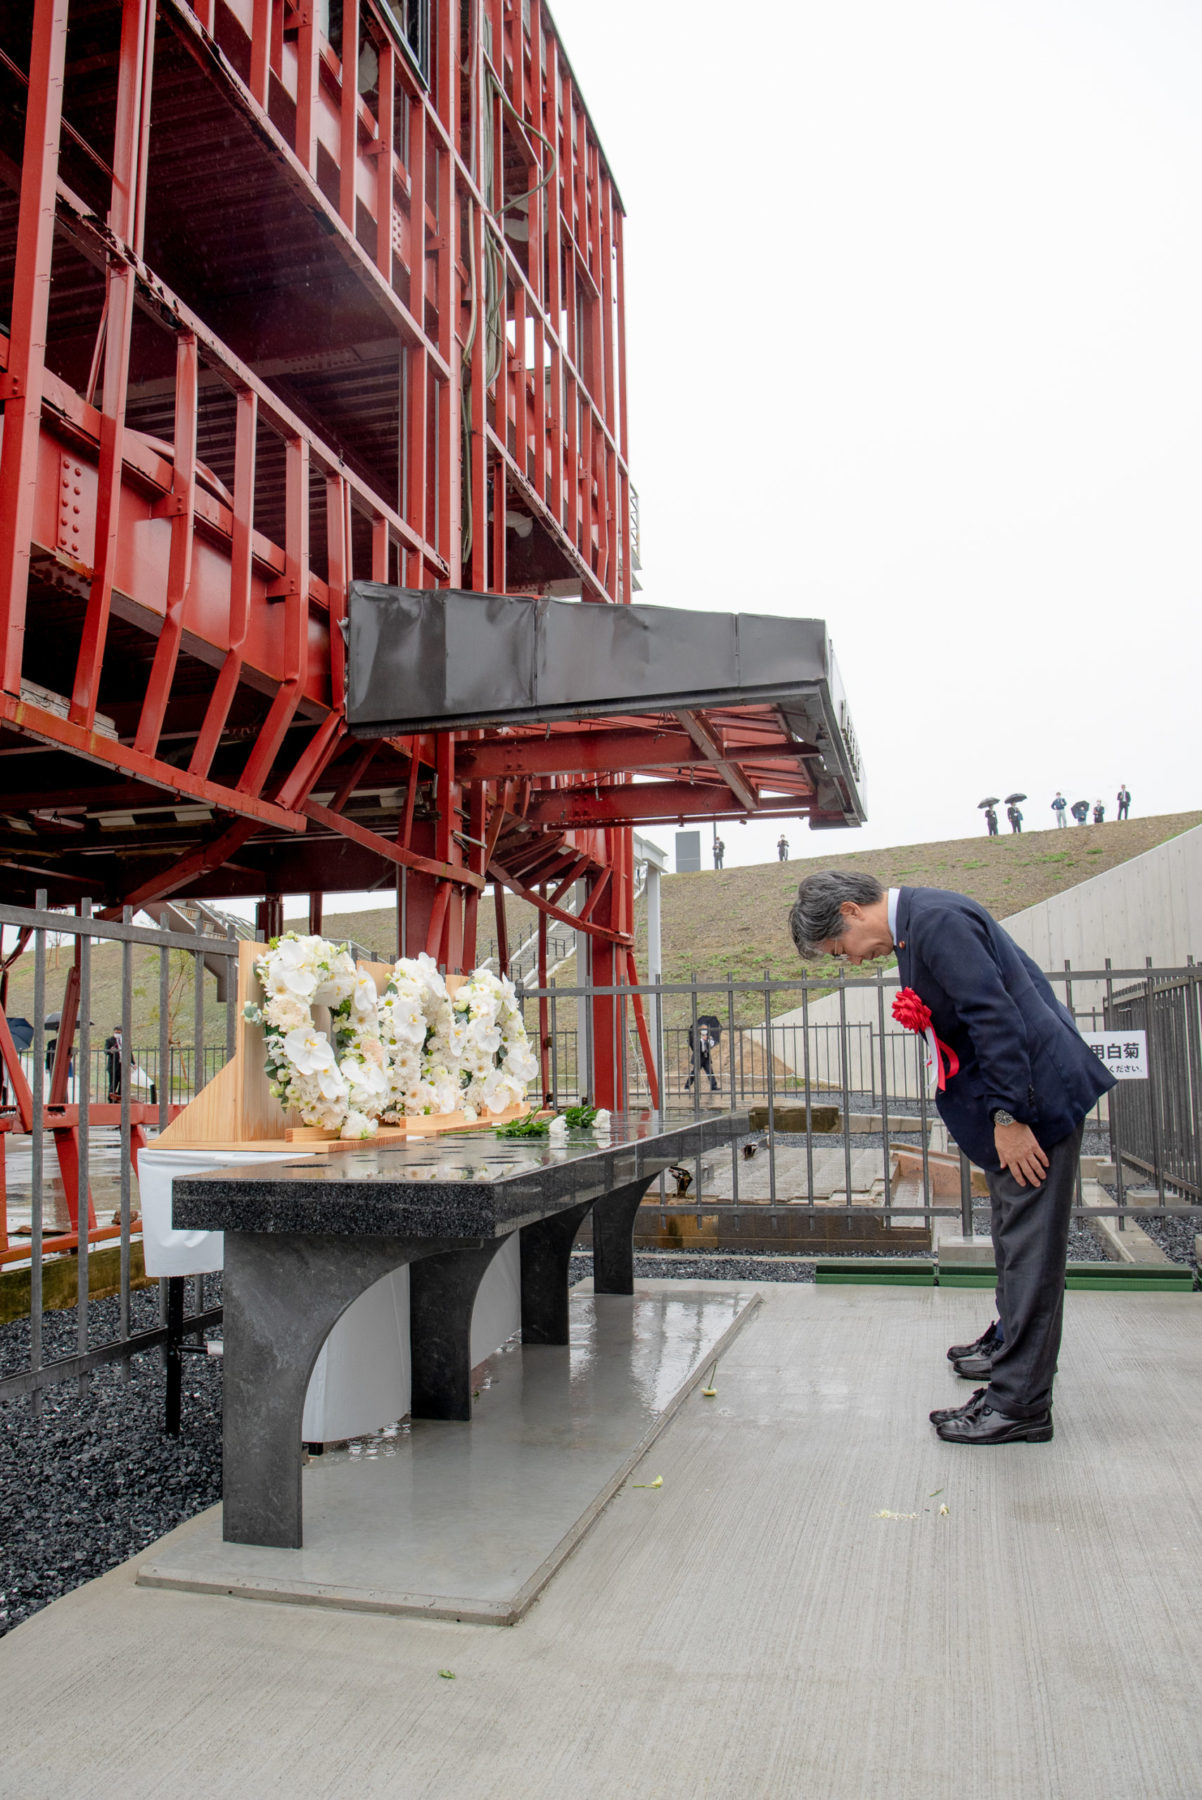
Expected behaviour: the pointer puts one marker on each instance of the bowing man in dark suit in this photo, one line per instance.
(1016, 1081)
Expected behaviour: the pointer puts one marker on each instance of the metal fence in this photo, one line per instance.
(89, 1113)
(799, 1045)
(807, 1054)
(1157, 1121)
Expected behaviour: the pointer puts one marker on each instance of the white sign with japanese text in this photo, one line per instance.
(1125, 1053)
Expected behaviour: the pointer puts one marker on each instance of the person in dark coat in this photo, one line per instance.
(703, 1050)
(1080, 810)
(719, 852)
(1015, 1081)
(1015, 818)
(1124, 800)
(782, 848)
(112, 1059)
(990, 821)
(1099, 812)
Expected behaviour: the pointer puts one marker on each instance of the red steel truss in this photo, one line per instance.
(292, 293)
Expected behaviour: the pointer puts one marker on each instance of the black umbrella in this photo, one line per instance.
(56, 1018)
(713, 1025)
(991, 801)
(22, 1033)
(1013, 799)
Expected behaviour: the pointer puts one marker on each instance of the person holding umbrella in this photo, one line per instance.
(987, 805)
(1012, 812)
(1080, 811)
(708, 1032)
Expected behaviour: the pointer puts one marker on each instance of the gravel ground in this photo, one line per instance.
(1084, 1244)
(705, 1265)
(1175, 1236)
(95, 1480)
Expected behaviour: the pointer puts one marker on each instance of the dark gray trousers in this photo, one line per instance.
(1030, 1247)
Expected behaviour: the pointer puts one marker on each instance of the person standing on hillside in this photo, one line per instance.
(990, 821)
(1015, 817)
(1080, 811)
(782, 848)
(1124, 801)
(719, 852)
(1060, 807)
(1099, 812)
(1015, 1081)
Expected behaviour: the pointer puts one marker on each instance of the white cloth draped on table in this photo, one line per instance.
(361, 1379)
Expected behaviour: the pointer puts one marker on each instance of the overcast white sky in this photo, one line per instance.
(914, 304)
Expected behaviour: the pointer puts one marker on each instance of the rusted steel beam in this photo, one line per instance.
(130, 176)
(49, 728)
(497, 873)
(602, 751)
(21, 386)
(167, 881)
(371, 840)
(295, 597)
(222, 698)
(707, 741)
(645, 802)
(182, 509)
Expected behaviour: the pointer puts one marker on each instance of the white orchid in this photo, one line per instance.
(308, 1050)
(365, 996)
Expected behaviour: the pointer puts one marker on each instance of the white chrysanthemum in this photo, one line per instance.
(358, 1125)
(285, 1012)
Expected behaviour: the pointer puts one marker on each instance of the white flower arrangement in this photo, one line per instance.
(410, 1051)
(489, 1037)
(416, 1023)
(296, 974)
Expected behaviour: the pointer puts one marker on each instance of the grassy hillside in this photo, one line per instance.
(714, 923)
(735, 920)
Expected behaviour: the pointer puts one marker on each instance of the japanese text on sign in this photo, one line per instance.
(1125, 1053)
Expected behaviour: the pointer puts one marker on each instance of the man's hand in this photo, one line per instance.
(1019, 1151)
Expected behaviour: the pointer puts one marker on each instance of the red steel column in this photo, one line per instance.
(125, 214)
(615, 910)
(22, 387)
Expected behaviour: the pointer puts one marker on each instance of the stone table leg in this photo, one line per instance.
(614, 1215)
(282, 1297)
(442, 1293)
(546, 1253)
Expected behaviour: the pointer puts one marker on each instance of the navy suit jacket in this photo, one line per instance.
(1018, 1046)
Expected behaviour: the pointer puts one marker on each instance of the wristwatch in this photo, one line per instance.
(1002, 1117)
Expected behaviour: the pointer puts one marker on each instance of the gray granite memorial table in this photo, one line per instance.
(303, 1240)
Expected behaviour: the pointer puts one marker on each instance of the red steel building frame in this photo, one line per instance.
(291, 292)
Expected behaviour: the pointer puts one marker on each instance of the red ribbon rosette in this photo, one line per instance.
(912, 1012)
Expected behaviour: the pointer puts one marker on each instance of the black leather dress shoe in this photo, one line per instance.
(942, 1414)
(983, 1425)
(977, 1367)
(984, 1343)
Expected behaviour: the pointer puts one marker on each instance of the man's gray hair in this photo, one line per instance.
(815, 916)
